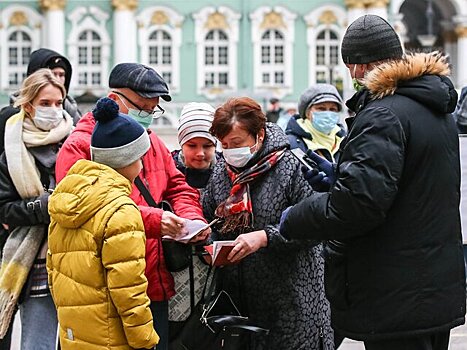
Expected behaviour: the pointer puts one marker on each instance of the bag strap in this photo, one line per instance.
(145, 192)
(228, 321)
(192, 282)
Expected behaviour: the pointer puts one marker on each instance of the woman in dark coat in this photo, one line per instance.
(278, 284)
(27, 178)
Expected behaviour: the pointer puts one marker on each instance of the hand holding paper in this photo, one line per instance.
(193, 229)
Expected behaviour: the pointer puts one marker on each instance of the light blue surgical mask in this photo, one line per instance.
(142, 117)
(325, 121)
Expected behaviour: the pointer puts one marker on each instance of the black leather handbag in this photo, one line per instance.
(216, 323)
(177, 255)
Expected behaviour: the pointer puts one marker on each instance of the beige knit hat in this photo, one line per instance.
(195, 121)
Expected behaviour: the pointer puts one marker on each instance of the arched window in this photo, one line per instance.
(327, 58)
(216, 36)
(19, 49)
(273, 36)
(89, 59)
(160, 53)
(159, 41)
(216, 59)
(272, 58)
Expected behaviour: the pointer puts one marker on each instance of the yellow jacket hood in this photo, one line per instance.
(87, 187)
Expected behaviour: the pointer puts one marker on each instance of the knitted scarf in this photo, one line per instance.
(24, 242)
(237, 209)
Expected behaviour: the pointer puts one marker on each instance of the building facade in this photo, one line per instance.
(211, 50)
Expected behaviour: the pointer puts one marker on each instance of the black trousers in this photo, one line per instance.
(433, 341)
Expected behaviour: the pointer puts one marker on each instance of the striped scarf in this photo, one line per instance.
(24, 242)
(237, 209)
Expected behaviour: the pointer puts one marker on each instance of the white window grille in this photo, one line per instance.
(327, 57)
(160, 53)
(159, 40)
(19, 49)
(89, 59)
(216, 35)
(273, 35)
(216, 59)
(272, 58)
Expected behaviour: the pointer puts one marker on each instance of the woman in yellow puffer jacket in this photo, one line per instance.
(96, 256)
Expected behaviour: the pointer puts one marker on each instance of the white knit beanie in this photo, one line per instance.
(195, 121)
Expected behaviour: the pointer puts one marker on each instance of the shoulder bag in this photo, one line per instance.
(177, 255)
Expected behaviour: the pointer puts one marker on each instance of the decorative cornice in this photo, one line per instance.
(355, 4)
(216, 91)
(328, 17)
(159, 18)
(216, 20)
(449, 36)
(18, 18)
(273, 20)
(377, 3)
(461, 31)
(125, 5)
(48, 5)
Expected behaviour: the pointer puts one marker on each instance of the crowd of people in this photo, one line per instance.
(360, 238)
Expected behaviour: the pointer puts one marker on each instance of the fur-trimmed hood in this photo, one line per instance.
(419, 76)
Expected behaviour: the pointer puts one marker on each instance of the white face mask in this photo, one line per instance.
(47, 118)
(239, 157)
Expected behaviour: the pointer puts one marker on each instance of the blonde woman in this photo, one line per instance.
(27, 177)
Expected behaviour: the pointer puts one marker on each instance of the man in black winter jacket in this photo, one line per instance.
(394, 270)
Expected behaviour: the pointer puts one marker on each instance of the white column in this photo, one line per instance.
(353, 13)
(55, 30)
(461, 55)
(379, 11)
(54, 33)
(125, 39)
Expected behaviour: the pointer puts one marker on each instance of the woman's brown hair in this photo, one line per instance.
(242, 110)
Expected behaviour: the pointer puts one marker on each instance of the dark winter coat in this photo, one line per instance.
(394, 208)
(281, 286)
(297, 137)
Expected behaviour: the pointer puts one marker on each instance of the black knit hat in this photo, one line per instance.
(369, 39)
(117, 139)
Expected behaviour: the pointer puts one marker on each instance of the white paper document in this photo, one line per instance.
(194, 228)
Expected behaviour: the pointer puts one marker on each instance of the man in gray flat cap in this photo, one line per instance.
(137, 89)
(394, 271)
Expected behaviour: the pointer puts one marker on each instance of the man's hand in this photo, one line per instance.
(322, 178)
(247, 244)
(172, 225)
(202, 236)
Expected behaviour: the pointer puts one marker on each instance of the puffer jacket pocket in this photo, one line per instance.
(335, 274)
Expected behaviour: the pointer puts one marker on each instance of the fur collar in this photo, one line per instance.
(383, 79)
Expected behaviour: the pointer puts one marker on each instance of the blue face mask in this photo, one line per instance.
(325, 121)
(143, 118)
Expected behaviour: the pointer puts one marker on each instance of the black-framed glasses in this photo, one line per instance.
(155, 113)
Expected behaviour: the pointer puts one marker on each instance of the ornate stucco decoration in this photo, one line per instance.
(328, 17)
(125, 5)
(355, 4)
(450, 36)
(272, 20)
(461, 31)
(18, 18)
(48, 5)
(159, 18)
(216, 20)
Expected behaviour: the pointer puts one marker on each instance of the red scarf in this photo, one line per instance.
(237, 210)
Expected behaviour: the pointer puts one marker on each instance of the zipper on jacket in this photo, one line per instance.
(321, 338)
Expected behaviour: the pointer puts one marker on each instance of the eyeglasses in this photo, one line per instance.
(156, 113)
